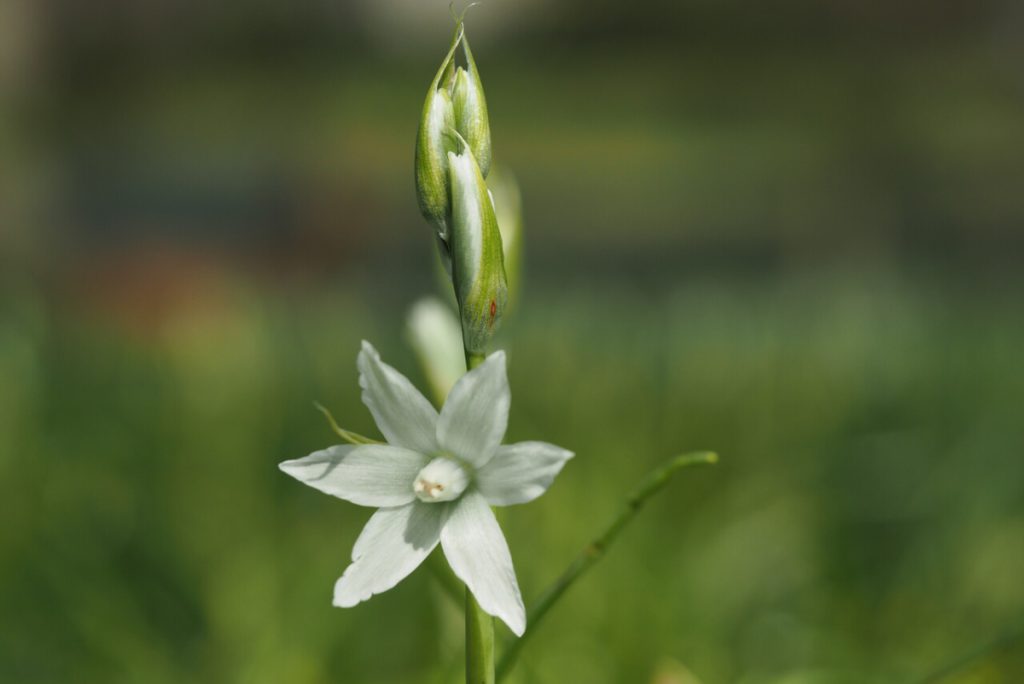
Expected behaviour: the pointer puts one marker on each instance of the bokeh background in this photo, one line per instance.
(788, 231)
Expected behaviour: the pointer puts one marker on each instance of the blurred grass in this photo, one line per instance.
(865, 523)
(914, 152)
(788, 234)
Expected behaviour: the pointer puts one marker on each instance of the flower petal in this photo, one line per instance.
(393, 544)
(404, 416)
(475, 415)
(477, 552)
(520, 472)
(368, 475)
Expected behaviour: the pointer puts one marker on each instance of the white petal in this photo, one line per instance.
(477, 552)
(368, 475)
(520, 472)
(393, 544)
(404, 416)
(475, 415)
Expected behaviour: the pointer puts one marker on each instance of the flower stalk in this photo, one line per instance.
(438, 472)
(479, 625)
(479, 643)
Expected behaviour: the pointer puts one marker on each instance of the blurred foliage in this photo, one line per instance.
(865, 523)
(788, 232)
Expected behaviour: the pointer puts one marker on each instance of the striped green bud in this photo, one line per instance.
(478, 269)
(434, 141)
(471, 110)
(455, 102)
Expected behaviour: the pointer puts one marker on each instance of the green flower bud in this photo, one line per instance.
(434, 142)
(471, 110)
(478, 268)
(455, 102)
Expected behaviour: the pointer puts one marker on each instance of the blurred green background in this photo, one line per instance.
(789, 231)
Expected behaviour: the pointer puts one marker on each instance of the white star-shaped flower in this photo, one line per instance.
(434, 481)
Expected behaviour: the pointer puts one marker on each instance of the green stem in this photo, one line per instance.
(479, 643)
(596, 549)
(479, 625)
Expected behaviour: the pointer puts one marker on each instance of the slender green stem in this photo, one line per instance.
(977, 653)
(479, 643)
(479, 625)
(596, 549)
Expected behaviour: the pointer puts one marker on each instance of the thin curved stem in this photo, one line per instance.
(347, 435)
(977, 653)
(596, 549)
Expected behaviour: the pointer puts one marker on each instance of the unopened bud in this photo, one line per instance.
(478, 269)
(433, 142)
(471, 110)
(434, 332)
(455, 102)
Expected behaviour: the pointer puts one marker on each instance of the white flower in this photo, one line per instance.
(434, 481)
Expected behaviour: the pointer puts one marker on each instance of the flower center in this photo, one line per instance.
(440, 480)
